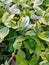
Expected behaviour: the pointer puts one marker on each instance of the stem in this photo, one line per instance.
(13, 55)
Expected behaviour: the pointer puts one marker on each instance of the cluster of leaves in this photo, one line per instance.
(24, 28)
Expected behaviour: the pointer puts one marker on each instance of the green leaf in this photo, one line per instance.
(4, 32)
(30, 33)
(44, 63)
(33, 16)
(6, 63)
(30, 45)
(25, 5)
(39, 46)
(20, 55)
(25, 22)
(7, 20)
(47, 10)
(24, 62)
(17, 45)
(37, 27)
(6, 1)
(10, 47)
(46, 2)
(44, 36)
(39, 10)
(39, 43)
(6, 17)
(11, 38)
(20, 38)
(14, 9)
(38, 2)
(1, 57)
(34, 60)
(47, 18)
(42, 54)
(1, 4)
(47, 54)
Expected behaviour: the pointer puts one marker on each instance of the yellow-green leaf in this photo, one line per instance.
(44, 36)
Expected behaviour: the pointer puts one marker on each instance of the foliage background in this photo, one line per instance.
(24, 32)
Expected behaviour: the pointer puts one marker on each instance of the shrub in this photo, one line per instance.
(24, 32)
